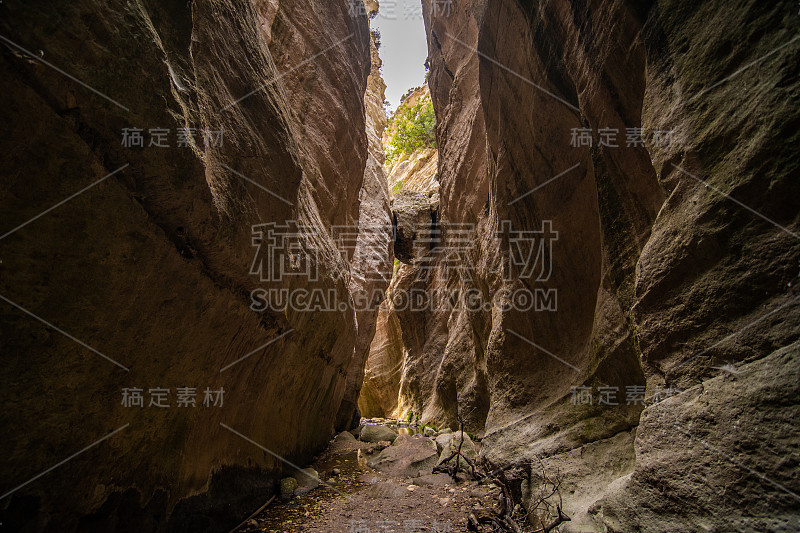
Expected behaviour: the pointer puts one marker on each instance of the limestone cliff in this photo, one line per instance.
(413, 182)
(184, 126)
(372, 259)
(649, 147)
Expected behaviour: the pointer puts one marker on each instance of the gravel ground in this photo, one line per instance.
(359, 499)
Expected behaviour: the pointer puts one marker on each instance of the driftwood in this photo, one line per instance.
(555, 523)
(457, 455)
(506, 517)
(481, 515)
(507, 514)
(453, 469)
(234, 530)
(490, 477)
(542, 506)
(501, 517)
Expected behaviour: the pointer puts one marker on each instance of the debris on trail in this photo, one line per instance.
(414, 483)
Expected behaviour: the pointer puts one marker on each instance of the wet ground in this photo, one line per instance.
(355, 498)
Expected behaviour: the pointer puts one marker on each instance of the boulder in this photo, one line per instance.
(345, 436)
(448, 443)
(288, 486)
(443, 440)
(412, 213)
(307, 480)
(374, 433)
(408, 457)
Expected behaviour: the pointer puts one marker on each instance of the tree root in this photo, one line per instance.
(507, 515)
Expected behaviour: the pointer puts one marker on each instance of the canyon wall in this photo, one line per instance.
(629, 165)
(167, 137)
(394, 357)
(372, 257)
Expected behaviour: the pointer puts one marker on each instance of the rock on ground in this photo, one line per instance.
(288, 486)
(307, 480)
(407, 457)
(345, 436)
(377, 433)
(449, 442)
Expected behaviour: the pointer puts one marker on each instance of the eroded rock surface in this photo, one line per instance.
(379, 394)
(660, 279)
(723, 455)
(153, 266)
(414, 191)
(371, 263)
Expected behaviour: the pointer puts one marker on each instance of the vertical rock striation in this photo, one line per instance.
(153, 266)
(372, 259)
(393, 365)
(674, 255)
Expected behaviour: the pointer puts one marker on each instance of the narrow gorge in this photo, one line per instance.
(227, 305)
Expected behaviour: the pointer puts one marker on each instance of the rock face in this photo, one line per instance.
(414, 215)
(416, 172)
(642, 154)
(407, 457)
(379, 394)
(737, 431)
(412, 180)
(153, 267)
(371, 263)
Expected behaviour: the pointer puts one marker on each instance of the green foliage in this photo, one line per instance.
(397, 187)
(406, 95)
(412, 128)
(410, 417)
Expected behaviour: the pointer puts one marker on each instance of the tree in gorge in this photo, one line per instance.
(412, 128)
